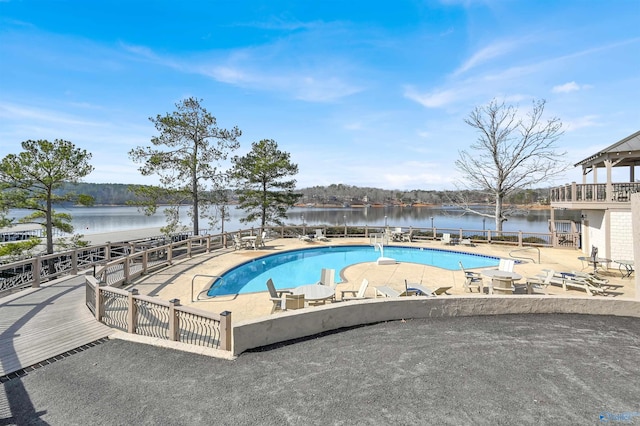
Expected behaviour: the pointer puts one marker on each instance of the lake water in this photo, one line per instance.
(101, 219)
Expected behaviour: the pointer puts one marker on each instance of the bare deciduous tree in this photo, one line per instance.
(512, 152)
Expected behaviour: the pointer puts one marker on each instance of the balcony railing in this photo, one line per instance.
(593, 192)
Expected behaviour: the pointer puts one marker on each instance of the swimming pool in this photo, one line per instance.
(297, 267)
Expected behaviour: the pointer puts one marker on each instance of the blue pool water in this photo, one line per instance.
(298, 267)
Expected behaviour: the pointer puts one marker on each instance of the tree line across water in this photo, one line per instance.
(117, 194)
(188, 158)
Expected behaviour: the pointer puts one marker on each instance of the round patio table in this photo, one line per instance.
(314, 292)
(504, 275)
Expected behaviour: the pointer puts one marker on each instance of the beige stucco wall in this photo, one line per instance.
(635, 229)
(290, 325)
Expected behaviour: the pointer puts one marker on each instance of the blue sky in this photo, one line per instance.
(359, 92)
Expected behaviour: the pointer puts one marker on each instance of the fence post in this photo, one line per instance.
(107, 251)
(488, 235)
(225, 331)
(99, 303)
(366, 231)
(174, 321)
(189, 241)
(35, 267)
(74, 262)
(519, 238)
(208, 237)
(170, 254)
(145, 261)
(125, 269)
(132, 312)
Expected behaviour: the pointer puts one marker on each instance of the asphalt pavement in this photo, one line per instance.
(511, 369)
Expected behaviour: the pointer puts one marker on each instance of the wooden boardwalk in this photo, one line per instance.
(38, 324)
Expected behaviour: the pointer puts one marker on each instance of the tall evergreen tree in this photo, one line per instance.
(186, 157)
(263, 191)
(30, 180)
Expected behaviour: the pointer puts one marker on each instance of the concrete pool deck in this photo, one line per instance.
(176, 281)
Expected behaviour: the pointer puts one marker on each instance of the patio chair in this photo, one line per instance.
(386, 291)
(425, 291)
(277, 296)
(356, 294)
(555, 278)
(320, 235)
(327, 278)
(506, 265)
(542, 281)
(471, 279)
(237, 242)
(446, 239)
(257, 242)
(407, 236)
(264, 238)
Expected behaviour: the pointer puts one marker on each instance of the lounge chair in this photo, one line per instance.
(421, 290)
(386, 291)
(471, 279)
(356, 294)
(320, 236)
(581, 284)
(306, 238)
(446, 239)
(467, 242)
(591, 277)
(569, 280)
(277, 296)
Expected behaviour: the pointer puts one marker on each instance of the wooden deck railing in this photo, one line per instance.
(148, 316)
(117, 263)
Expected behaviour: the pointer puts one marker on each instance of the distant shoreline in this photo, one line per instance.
(417, 205)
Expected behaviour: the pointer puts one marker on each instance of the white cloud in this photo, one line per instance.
(486, 54)
(434, 99)
(581, 122)
(566, 88)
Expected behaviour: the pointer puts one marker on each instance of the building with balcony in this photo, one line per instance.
(605, 205)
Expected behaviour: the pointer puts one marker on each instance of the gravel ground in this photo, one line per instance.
(516, 369)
